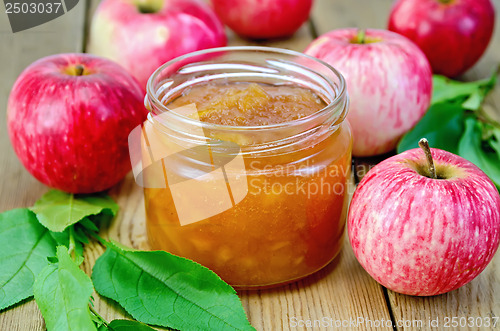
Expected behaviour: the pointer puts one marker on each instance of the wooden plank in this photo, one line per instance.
(335, 14)
(18, 188)
(341, 291)
(481, 297)
(297, 42)
(64, 34)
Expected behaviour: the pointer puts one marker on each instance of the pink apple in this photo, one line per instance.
(142, 35)
(389, 82)
(263, 19)
(423, 236)
(452, 33)
(69, 116)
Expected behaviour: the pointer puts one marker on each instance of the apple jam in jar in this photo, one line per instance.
(246, 161)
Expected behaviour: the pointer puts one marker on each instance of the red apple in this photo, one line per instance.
(263, 19)
(69, 116)
(452, 33)
(142, 35)
(423, 236)
(389, 82)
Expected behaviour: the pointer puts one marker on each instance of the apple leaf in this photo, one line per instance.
(495, 140)
(471, 94)
(98, 320)
(25, 246)
(89, 225)
(62, 293)
(491, 135)
(62, 238)
(471, 147)
(127, 325)
(475, 100)
(159, 288)
(57, 210)
(442, 125)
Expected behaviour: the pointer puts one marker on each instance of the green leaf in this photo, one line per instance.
(25, 246)
(99, 322)
(57, 210)
(471, 93)
(62, 293)
(495, 140)
(159, 288)
(474, 101)
(89, 225)
(62, 239)
(442, 125)
(80, 236)
(126, 325)
(52, 259)
(471, 148)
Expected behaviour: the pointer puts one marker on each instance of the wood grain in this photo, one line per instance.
(481, 297)
(334, 14)
(341, 291)
(298, 42)
(18, 188)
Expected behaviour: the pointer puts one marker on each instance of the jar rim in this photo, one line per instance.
(152, 94)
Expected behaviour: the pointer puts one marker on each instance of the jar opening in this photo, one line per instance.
(262, 65)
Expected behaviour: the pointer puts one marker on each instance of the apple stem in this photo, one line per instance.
(361, 36)
(424, 144)
(79, 69)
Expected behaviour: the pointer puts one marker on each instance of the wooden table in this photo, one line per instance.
(343, 291)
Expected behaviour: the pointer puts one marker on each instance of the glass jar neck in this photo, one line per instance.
(252, 65)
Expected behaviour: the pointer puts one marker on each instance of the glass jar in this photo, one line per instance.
(259, 205)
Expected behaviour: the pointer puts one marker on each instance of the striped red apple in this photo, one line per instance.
(389, 82)
(422, 232)
(141, 35)
(69, 116)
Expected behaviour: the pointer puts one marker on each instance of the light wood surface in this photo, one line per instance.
(17, 187)
(481, 297)
(341, 291)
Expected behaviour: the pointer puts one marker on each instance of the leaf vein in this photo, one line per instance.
(27, 258)
(178, 294)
